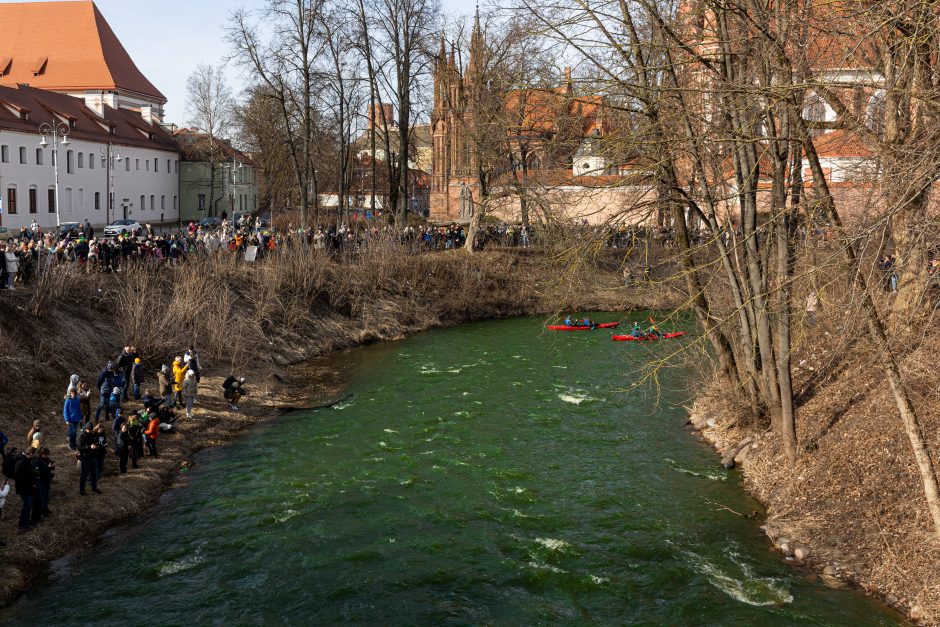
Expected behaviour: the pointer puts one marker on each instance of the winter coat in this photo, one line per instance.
(153, 429)
(24, 476)
(163, 380)
(105, 382)
(179, 371)
(12, 262)
(137, 374)
(190, 387)
(72, 410)
(85, 440)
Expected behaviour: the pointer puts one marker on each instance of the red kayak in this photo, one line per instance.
(645, 338)
(565, 327)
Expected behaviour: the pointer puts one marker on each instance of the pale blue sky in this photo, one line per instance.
(170, 38)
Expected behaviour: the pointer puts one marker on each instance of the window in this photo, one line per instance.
(5, 154)
(97, 201)
(156, 164)
(175, 204)
(81, 198)
(168, 168)
(147, 165)
(11, 200)
(153, 205)
(91, 161)
(143, 203)
(81, 160)
(33, 200)
(162, 203)
(50, 200)
(202, 202)
(39, 156)
(23, 155)
(67, 203)
(127, 165)
(70, 162)
(137, 164)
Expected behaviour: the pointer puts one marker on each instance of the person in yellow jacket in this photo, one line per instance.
(179, 373)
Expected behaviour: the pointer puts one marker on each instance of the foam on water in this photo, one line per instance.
(166, 569)
(553, 544)
(738, 580)
(713, 476)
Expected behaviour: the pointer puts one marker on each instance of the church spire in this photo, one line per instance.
(476, 45)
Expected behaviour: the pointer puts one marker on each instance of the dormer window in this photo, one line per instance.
(6, 64)
(39, 68)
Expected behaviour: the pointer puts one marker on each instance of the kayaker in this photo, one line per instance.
(568, 322)
(654, 330)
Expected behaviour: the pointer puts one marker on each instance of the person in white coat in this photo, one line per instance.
(12, 265)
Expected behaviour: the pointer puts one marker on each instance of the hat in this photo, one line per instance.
(137, 360)
(116, 391)
(88, 426)
(242, 380)
(190, 374)
(178, 359)
(164, 368)
(110, 366)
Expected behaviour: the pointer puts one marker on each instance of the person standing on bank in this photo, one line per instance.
(190, 388)
(137, 378)
(24, 478)
(166, 387)
(87, 452)
(72, 412)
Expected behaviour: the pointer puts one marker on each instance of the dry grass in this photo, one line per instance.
(253, 318)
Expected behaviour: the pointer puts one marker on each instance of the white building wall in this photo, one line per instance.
(82, 175)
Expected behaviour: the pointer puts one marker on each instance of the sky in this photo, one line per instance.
(168, 39)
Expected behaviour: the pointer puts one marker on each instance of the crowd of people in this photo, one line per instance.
(126, 425)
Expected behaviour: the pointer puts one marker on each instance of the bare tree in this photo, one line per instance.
(210, 107)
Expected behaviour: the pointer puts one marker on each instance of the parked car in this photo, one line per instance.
(68, 229)
(212, 222)
(119, 227)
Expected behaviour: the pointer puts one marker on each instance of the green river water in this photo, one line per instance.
(490, 473)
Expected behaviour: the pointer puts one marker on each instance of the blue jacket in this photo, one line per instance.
(72, 411)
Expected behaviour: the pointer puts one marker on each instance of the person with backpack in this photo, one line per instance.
(105, 386)
(72, 413)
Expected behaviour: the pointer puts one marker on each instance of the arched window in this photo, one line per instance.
(81, 160)
(162, 203)
(33, 199)
(143, 203)
(816, 110)
(70, 162)
(153, 205)
(97, 201)
(67, 200)
(11, 200)
(91, 161)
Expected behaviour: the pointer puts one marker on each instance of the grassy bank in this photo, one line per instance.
(253, 319)
(853, 504)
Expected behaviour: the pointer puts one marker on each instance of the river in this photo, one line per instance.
(490, 473)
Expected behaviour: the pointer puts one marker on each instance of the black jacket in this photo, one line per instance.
(24, 476)
(85, 440)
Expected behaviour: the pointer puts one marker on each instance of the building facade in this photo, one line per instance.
(215, 177)
(61, 65)
(115, 164)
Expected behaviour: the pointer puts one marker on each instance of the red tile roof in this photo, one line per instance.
(66, 46)
(25, 108)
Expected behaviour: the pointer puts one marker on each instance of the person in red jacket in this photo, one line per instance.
(152, 431)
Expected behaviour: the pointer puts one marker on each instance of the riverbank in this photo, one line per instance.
(253, 320)
(852, 509)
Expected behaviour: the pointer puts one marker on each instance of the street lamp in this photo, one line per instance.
(108, 159)
(55, 129)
